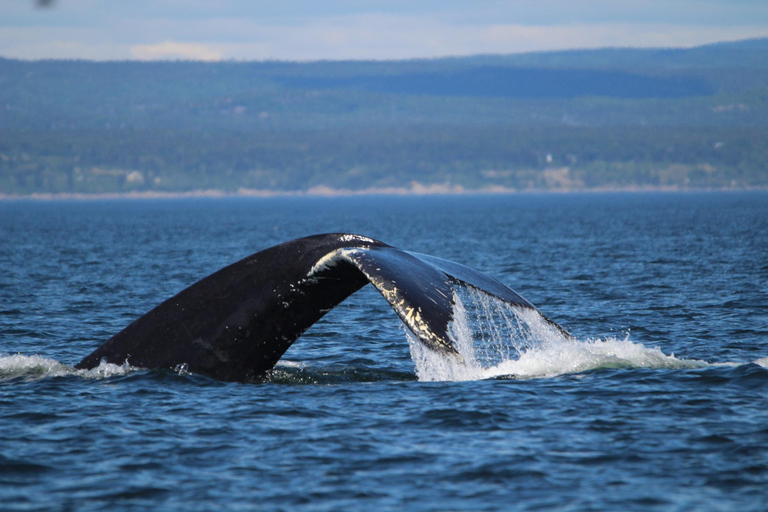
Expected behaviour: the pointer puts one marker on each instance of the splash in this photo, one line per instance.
(36, 367)
(496, 339)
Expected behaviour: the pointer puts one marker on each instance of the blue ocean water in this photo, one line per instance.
(661, 403)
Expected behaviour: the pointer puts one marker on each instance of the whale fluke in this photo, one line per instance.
(236, 323)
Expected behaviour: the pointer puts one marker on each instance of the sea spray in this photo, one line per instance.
(18, 366)
(497, 339)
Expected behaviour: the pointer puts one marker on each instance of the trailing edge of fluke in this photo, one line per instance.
(236, 323)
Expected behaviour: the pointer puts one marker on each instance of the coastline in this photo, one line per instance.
(323, 191)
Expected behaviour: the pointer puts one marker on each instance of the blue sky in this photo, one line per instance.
(363, 29)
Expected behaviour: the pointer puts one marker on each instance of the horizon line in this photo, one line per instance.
(384, 60)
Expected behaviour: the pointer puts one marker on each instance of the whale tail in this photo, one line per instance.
(236, 323)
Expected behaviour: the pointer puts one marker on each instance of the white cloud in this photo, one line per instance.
(370, 35)
(60, 43)
(537, 38)
(173, 50)
(389, 37)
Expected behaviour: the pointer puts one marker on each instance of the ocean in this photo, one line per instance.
(658, 402)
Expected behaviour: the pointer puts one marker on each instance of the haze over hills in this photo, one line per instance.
(681, 118)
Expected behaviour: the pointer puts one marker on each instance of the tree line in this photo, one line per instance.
(472, 157)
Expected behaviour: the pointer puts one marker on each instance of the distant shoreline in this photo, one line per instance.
(322, 191)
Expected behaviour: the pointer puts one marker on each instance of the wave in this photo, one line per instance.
(494, 339)
(549, 360)
(19, 367)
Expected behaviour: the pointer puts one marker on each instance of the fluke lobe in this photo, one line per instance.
(236, 323)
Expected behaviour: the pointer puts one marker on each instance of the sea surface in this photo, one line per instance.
(658, 402)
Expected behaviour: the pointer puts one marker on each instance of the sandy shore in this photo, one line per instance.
(323, 191)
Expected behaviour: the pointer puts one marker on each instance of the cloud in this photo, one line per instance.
(391, 37)
(59, 43)
(172, 50)
(539, 38)
(178, 30)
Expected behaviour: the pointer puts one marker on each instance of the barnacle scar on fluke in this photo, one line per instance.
(236, 323)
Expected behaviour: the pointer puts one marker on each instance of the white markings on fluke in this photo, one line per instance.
(412, 316)
(356, 238)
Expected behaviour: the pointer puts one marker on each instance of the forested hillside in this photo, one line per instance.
(558, 120)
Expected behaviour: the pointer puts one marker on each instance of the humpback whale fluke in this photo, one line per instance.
(236, 323)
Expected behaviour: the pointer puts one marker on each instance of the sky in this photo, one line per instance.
(302, 30)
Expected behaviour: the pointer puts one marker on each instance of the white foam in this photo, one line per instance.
(574, 356)
(38, 367)
(495, 339)
(290, 364)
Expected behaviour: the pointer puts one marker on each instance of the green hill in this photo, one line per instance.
(576, 119)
